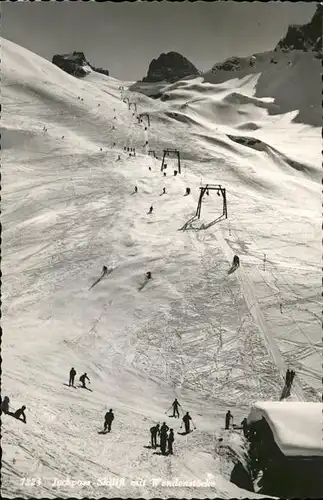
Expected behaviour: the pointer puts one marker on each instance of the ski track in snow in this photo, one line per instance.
(193, 332)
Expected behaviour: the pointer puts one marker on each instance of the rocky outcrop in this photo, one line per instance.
(170, 67)
(305, 37)
(76, 64)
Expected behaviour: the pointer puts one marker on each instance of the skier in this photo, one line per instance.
(186, 420)
(5, 405)
(164, 191)
(148, 275)
(108, 419)
(149, 168)
(151, 210)
(20, 413)
(245, 427)
(136, 189)
(163, 438)
(82, 379)
(236, 260)
(72, 377)
(228, 419)
(175, 406)
(154, 431)
(170, 441)
(119, 158)
(281, 308)
(104, 269)
(288, 377)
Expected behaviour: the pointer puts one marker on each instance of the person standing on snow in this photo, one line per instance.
(72, 377)
(186, 420)
(20, 413)
(82, 380)
(175, 406)
(163, 438)
(228, 419)
(154, 431)
(5, 405)
(170, 441)
(108, 419)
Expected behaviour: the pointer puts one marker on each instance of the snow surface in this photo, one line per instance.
(213, 341)
(296, 426)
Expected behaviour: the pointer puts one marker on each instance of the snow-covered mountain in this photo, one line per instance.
(213, 341)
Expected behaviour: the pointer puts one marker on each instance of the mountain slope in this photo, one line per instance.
(192, 332)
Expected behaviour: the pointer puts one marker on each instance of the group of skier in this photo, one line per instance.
(166, 440)
(82, 378)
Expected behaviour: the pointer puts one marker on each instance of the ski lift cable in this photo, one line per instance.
(284, 282)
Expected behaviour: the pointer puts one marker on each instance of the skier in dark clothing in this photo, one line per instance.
(148, 275)
(164, 191)
(82, 379)
(186, 420)
(236, 260)
(136, 189)
(288, 377)
(72, 377)
(170, 441)
(163, 438)
(245, 427)
(20, 413)
(151, 210)
(5, 405)
(228, 419)
(175, 406)
(108, 419)
(154, 431)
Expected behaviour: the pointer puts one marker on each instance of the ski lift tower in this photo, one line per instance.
(166, 152)
(219, 191)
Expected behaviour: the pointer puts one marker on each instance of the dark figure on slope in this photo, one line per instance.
(236, 260)
(72, 377)
(5, 405)
(175, 406)
(228, 419)
(245, 427)
(151, 210)
(163, 438)
(186, 420)
(82, 380)
(170, 442)
(136, 189)
(104, 269)
(108, 419)
(20, 413)
(148, 275)
(154, 432)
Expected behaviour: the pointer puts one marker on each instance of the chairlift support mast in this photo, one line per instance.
(147, 116)
(220, 191)
(166, 152)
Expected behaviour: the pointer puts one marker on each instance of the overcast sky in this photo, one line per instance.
(124, 37)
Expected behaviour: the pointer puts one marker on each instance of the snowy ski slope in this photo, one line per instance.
(213, 341)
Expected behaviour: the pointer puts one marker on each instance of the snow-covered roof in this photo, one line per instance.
(296, 426)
